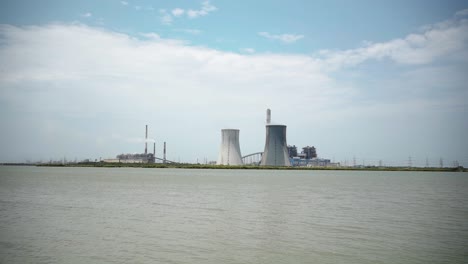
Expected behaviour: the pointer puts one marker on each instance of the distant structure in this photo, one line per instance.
(252, 158)
(146, 140)
(137, 158)
(276, 151)
(292, 151)
(308, 158)
(229, 153)
(309, 152)
(268, 120)
(164, 153)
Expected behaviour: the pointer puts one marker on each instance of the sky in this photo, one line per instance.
(371, 81)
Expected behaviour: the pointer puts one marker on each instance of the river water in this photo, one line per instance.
(134, 215)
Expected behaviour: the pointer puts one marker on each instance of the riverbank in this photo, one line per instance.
(245, 167)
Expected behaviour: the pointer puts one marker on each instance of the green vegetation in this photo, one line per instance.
(244, 167)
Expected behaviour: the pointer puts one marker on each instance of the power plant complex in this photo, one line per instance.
(140, 157)
(276, 151)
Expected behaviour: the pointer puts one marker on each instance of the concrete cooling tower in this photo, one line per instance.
(230, 153)
(276, 151)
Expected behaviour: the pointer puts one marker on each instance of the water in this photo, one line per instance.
(123, 215)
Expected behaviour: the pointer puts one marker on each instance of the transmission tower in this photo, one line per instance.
(410, 162)
(441, 163)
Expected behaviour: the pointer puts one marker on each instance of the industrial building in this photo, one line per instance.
(230, 153)
(276, 151)
(308, 158)
(292, 151)
(307, 152)
(139, 157)
(314, 162)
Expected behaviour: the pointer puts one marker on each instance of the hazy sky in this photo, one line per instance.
(374, 80)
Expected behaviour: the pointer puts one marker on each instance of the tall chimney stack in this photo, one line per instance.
(146, 140)
(164, 157)
(268, 121)
(154, 152)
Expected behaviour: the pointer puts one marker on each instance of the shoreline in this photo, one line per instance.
(241, 167)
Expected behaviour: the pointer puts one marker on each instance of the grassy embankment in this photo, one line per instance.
(244, 167)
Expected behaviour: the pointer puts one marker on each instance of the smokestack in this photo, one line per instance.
(268, 116)
(154, 153)
(164, 157)
(146, 140)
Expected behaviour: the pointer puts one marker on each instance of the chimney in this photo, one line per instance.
(146, 140)
(164, 153)
(268, 121)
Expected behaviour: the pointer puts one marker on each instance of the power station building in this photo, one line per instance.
(138, 157)
(276, 151)
(229, 153)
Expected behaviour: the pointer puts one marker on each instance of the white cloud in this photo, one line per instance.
(285, 38)
(189, 31)
(168, 17)
(205, 10)
(74, 70)
(178, 12)
(79, 84)
(462, 13)
(138, 7)
(151, 35)
(247, 50)
(448, 38)
(88, 14)
(165, 17)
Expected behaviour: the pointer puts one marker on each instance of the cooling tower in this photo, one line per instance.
(276, 151)
(229, 153)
